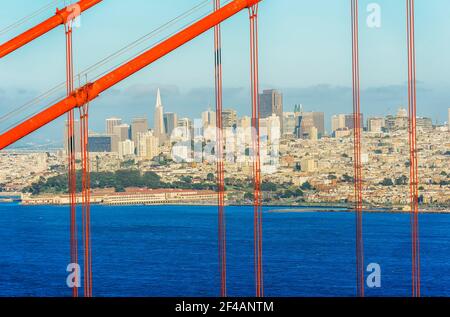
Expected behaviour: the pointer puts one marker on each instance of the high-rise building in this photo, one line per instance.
(271, 102)
(312, 119)
(138, 125)
(114, 143)
(289, 122)
(184, 130)
(209, 119)
(122, 131)
(77, 136)
(272, 126)
(338, 122)
(100, 143)
(229, 118)
(148, 145)
(376, 124)
(298, 125)
(350, 122)
(158, 127)
(244, 135)
(170, 122)
(111, 123)
(313, 134)
(126, 148)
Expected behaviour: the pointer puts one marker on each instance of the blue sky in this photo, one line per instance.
(305, 51)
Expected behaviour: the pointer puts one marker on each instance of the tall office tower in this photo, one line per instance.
(271, 102)
(349, 122)
(338, 122)
(298, 109)
(307, 123)
(208, 119)
(122, 131)
(148, 145)
(244, 134)
(185, 130)
(100, 143)
(272, 124)
(77, 136)
(170, 123)
(229, 118)
(313, 134)
(312, 119)
(111, 123)
(289, 122)
(158, 127)
(126, 148)
(375, 124)
(114, 143)
(138, 125)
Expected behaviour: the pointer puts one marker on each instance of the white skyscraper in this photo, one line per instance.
(208, 119)
(338, 122)
(148, 145)
(126, 148)
(158, 118)
(111, 123)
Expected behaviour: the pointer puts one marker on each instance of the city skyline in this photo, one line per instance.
(141, 140)
(341, 123)
(306, 74)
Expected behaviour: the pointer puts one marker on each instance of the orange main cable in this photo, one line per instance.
(92, 90)
(60, 18)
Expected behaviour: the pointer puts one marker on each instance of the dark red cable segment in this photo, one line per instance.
(71, 152)
(86, 218)
(219, 154)
(357, 163)
(413, 155)
(257, 199)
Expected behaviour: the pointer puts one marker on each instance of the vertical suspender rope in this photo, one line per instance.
(413, 166)
(257, 209)
(86, 218)
(219, 155)
(357, 164)
(71, 152)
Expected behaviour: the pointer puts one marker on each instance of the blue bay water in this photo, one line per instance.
(172, 251)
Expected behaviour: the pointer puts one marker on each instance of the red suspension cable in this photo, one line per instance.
(86, 218)
(357, 163)
(71, 152)
(219, 155)
(257, 208)
(413, 166)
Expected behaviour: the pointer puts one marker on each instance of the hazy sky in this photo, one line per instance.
(305, 51)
